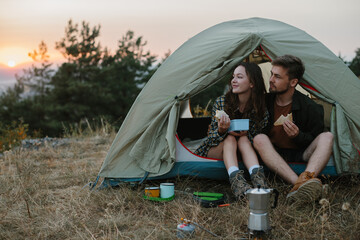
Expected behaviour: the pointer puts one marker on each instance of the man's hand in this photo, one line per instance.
(291, 129)
(223, 124)
(238, 134)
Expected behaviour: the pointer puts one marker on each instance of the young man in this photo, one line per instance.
(297, 140)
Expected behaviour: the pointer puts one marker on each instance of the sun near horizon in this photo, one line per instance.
(11, 63)
(18, 56)
(12, 56)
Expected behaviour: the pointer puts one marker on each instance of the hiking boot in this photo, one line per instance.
(306, 189)
(258, 178)
(239, 185)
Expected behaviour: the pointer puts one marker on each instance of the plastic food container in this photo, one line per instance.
(237, 125)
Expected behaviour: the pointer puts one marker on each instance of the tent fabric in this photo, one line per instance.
(146, 139)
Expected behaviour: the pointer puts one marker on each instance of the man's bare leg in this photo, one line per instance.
(318, 153)
(272, 159)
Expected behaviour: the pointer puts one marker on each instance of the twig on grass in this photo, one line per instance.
(27, 207)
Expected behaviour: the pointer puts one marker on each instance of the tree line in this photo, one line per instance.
(92, 84)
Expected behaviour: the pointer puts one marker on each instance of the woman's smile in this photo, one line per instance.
(240, 82)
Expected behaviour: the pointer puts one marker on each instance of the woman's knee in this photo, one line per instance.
(260, 141)
(230, 139)
(244, 140)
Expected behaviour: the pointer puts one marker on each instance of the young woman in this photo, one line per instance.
(244, 100)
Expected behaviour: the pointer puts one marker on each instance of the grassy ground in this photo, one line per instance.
(42, 197)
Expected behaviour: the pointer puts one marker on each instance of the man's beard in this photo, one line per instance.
(279, 91)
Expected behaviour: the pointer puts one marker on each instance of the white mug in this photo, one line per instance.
(166, 190)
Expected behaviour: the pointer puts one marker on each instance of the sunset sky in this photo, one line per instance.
(166, 24)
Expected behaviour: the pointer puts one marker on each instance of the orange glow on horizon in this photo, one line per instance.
(12, 56)
(16, 56)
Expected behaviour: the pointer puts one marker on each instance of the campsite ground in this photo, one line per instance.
(42, 197)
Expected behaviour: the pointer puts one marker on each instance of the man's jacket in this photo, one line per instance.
(307, 115)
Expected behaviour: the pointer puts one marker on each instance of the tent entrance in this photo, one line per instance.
(193, 128)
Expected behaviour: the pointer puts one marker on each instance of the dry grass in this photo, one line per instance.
(41, 197)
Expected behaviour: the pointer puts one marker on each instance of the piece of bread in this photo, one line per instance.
(282, 119)
(220, 113)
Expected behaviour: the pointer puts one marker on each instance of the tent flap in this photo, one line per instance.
(149, 148)
(348, 156)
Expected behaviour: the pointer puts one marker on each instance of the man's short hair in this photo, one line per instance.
(293, 64)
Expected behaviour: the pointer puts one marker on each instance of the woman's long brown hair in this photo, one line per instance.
(257, 97)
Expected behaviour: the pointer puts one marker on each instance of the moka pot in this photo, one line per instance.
(259, 201)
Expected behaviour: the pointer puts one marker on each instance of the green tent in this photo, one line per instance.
(146, 139)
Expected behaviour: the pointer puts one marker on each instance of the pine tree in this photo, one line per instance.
(355, 63)
(93, 83)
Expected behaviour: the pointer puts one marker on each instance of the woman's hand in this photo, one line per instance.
(238, 134)
(223, 124)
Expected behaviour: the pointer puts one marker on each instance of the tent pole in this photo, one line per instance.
(144, 178)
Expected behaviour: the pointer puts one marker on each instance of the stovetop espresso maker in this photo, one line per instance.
(259, 202)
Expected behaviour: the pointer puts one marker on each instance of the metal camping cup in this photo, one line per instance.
(166, 190)
(152, 191)
(259, 199)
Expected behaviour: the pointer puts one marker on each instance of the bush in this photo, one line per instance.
(11, 135)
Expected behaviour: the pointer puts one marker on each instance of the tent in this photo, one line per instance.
(146, 142)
